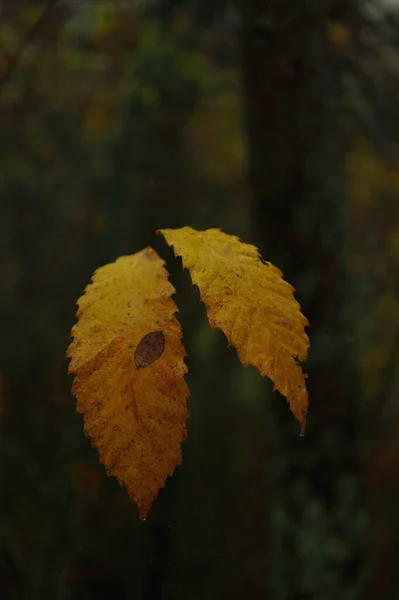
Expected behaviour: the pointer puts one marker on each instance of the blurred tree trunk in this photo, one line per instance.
(292, 84)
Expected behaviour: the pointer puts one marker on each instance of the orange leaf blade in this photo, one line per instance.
(252, 304)
(135, 416)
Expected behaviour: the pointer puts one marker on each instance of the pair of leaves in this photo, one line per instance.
(128, 356)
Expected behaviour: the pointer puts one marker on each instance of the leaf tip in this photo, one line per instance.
(143, 514)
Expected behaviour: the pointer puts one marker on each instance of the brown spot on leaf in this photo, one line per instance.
(149, 349)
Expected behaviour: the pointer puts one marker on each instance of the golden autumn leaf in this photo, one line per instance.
(128, 360)
(252, 304)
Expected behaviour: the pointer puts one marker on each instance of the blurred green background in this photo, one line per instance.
(278, 121)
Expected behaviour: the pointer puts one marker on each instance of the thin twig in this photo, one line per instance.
(14, 59)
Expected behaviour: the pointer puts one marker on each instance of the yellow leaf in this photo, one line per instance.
(252, 304)
(128, 360)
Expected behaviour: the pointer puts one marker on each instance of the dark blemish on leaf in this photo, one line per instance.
(149, 349)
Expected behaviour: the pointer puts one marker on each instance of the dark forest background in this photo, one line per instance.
(278, 121)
